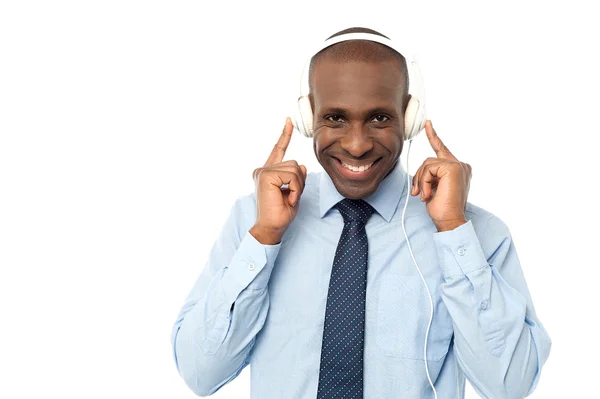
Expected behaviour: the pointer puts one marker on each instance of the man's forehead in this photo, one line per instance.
(347, 79)
(385, 68)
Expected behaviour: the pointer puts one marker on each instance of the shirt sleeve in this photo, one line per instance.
(216, 328)
(500, 343)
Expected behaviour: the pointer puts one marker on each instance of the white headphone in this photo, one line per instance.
(414, 117)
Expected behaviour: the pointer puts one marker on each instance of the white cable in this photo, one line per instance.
(408, 186)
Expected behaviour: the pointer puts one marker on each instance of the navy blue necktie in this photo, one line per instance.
(341, 370)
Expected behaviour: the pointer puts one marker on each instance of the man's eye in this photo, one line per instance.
(381, 118)
(335, 118)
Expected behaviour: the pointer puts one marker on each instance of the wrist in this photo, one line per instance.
(266, 235)
(448, 225)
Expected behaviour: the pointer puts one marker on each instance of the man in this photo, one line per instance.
(286, 287)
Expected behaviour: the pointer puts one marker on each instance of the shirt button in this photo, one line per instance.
(251, 266)
(462, 251)
(484, 305)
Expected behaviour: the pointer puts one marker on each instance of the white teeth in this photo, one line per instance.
(357, 168)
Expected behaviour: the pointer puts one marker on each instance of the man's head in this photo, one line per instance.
(358, 94)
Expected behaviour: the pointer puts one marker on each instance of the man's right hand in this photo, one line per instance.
(277, 207)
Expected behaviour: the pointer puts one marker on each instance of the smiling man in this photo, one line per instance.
(314, 286)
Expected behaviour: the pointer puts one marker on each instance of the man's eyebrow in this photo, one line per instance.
(334, 110)
(382, 110)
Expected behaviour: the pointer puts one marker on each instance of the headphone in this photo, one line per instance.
(414, 116)
(414, 122)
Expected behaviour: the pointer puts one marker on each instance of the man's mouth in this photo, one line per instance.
(356, 170)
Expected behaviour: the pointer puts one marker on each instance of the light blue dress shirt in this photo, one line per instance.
(264, 305)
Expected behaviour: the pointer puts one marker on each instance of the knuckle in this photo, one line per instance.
(260, 173)
(298, 177)
(468, 168)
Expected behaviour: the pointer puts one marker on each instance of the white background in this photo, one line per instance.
(129, 128)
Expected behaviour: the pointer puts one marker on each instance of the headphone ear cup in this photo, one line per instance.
(304, 117)
(297, 121)
(414, 118)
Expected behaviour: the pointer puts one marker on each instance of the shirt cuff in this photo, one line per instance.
(459, 251)
(250, 267)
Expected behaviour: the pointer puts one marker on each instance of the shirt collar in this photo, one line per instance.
(385, 199)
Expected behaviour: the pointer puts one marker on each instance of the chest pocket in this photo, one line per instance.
(403, 316)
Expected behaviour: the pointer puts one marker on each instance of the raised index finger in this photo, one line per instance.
(438, 146)
(282, 144)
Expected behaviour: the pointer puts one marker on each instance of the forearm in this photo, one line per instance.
(494, 344)
(500, 344)
(216, 328)
(213, 340)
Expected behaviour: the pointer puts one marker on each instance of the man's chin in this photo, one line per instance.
(358, 193)
(354, 189)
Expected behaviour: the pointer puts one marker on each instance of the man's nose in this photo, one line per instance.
(357, 141)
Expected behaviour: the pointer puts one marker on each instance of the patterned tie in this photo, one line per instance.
(341, 371)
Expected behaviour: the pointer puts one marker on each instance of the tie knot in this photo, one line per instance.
(355, 210)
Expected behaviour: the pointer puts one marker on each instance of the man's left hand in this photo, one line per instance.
(443, 183)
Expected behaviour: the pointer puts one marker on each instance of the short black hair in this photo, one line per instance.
(349, 51)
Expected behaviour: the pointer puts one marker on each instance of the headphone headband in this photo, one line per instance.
(411, 63)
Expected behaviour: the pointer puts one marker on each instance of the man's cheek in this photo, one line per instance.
(320, 142)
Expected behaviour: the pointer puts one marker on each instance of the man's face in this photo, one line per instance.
(358, 114)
